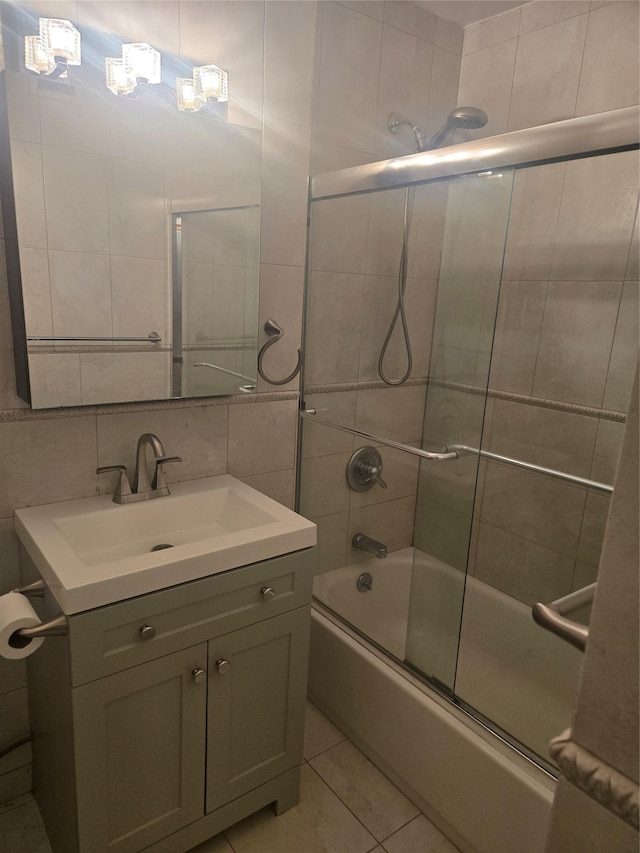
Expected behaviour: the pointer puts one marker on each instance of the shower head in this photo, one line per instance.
(462, 118)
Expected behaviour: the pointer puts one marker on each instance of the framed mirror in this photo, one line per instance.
(107, 304)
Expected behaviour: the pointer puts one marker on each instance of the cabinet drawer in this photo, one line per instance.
(109, 639)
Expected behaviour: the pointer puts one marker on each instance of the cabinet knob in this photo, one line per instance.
(268, 593)
(147, 632)
(199, 675)
(223, 666)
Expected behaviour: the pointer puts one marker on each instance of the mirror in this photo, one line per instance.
(132, 233)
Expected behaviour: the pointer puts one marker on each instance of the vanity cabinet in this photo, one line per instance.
(161, 720)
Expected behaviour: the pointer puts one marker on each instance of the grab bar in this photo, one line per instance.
(378, 439)
(552, 616)
(604, 488)
(152, 338)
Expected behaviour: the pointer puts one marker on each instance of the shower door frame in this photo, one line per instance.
(601, 134)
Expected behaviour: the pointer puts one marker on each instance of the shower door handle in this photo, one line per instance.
(552, 616)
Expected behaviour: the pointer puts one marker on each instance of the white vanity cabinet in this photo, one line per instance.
(161, 720)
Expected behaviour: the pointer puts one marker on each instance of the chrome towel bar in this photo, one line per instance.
(151, 338)
(604, 488)
(378, 439)
(552, 616)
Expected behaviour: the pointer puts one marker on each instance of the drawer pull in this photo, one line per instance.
(267, 593)
(147, 632)
(199, 675)
(223, 666)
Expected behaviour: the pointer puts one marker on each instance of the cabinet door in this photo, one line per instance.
(256, 704)
(140, 746)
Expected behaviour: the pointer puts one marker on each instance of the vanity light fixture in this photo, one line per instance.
(56, 46)
(187, 96)
(138, 65)
(212, 83)
(143, 61)
(118, 77)
(209, 84)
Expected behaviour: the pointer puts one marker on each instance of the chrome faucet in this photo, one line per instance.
(371, 546)
(144, 487)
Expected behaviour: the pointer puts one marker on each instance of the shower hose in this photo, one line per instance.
(400, 307)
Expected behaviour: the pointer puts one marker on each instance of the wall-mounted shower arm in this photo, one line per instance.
(395, 122)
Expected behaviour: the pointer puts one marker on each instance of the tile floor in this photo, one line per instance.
(347, 806)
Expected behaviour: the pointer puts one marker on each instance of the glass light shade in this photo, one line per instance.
(187, 96)
(35, 58)
(212, 82)
(143, 61)
(118, 76)
(60, 38)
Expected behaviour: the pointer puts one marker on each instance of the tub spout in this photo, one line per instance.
(371, 546)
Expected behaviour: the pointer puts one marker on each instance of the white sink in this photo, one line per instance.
(92, 552)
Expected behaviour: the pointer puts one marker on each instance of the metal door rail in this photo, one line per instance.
(151, 338)
(603, 488)
(552, 616)
(378, 439)
(585, 136)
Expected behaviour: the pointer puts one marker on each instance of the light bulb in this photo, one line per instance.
(143, 62)
(60, 38)
(118, 76)
(212, 82)
(187, 96)
(35, 58)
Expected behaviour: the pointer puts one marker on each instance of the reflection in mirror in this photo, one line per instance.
(91, 183)
(215, 301)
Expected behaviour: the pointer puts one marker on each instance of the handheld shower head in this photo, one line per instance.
(463, 118)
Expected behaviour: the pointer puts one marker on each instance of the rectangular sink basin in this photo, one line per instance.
(93, 552)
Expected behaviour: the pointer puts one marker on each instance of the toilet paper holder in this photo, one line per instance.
(56, 627)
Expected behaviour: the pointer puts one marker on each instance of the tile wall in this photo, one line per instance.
(567, 324)
(372, 59)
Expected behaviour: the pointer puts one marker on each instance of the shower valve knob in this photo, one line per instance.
(364, 470)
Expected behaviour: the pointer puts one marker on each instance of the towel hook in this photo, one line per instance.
(275, 334)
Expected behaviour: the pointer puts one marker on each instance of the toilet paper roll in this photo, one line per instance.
(16, 612)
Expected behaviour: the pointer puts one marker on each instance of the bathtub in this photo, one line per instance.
(481, 792)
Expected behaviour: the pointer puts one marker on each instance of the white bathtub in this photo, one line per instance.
(480, 791)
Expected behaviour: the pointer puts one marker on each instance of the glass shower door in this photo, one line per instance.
(466, 305)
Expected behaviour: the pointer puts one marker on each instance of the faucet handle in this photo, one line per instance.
(158, 478)
(123, 489)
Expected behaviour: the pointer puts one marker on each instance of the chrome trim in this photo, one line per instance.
(177, 357)
(594, 485)
(222, 370)
(32, 590)
(552, 616)
(616, 130)
(378, 439)
(58, 627)
(151, 338)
